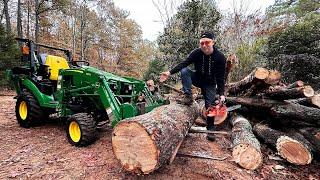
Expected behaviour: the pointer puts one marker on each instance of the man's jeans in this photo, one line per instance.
(188, 78)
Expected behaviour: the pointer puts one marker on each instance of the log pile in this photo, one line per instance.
(274, 108)
(285, 117)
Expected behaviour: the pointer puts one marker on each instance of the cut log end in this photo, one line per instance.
(308, 91)
(293, 151)
(315, 100)
(261, 73)
(247, 156)
(134, 147)
(274, 77)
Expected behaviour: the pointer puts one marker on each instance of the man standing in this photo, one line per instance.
(209, 74)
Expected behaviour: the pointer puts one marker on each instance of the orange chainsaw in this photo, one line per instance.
(219, 112)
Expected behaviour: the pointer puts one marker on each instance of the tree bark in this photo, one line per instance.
(255, 76)
(313, 101)
(293, 93)
(297, 112)
(280, 109)
(294, 150)
(146, 142)
(246, 148)
(313, 136)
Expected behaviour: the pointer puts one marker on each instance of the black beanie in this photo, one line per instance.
(209, 35)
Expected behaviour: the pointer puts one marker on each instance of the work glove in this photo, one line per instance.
(222, 99)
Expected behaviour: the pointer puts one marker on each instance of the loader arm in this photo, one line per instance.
(109, 101)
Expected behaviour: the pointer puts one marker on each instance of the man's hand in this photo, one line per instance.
(222, 99)
(164, 76)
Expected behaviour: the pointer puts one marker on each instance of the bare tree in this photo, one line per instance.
(7, 15)
(166, 9)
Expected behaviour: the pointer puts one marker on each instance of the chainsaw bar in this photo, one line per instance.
(232, 108)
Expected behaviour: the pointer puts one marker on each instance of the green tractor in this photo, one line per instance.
(80, 95)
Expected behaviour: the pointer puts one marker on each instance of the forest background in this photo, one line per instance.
(285, 37)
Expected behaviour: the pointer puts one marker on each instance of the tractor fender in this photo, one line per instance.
(43, 99)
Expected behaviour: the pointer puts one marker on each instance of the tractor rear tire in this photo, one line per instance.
(28, 111)
(81, 129)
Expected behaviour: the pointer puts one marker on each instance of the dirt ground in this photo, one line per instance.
(44, 153)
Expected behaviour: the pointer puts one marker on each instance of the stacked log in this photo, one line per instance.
(313, 136)
(246, 148)
(294, 150)
(144, 143)
(313, 101)
(298, 92)
(295, 106)
(256, 76)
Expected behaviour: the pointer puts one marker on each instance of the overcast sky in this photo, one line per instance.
(146, 15)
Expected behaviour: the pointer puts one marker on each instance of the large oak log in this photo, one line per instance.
(293, 93)
(295, 151)
(144, 143)
(313, 101)
(255, 76)
(246, 148)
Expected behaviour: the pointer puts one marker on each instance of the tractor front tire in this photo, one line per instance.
(81, 129)
(28, 111)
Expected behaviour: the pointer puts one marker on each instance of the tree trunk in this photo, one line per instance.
(297, 112)
(1, 17)
(299, 92)
(263, 104)
(254, 77)
(280, 109)
(28, 22)
(146, 142)
(313, 101)
(313, 136)
(7, 15)
(293, 150)
(37, 28)
(246, 148)
(19, 20)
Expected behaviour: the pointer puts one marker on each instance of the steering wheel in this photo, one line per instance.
(80, 63)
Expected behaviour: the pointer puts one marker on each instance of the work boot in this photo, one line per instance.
(211, 137)
(210, 127)
(185, 99)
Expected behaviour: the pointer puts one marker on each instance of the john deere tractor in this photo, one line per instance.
(80, 95)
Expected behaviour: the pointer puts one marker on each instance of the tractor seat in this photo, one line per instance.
(55, 63)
